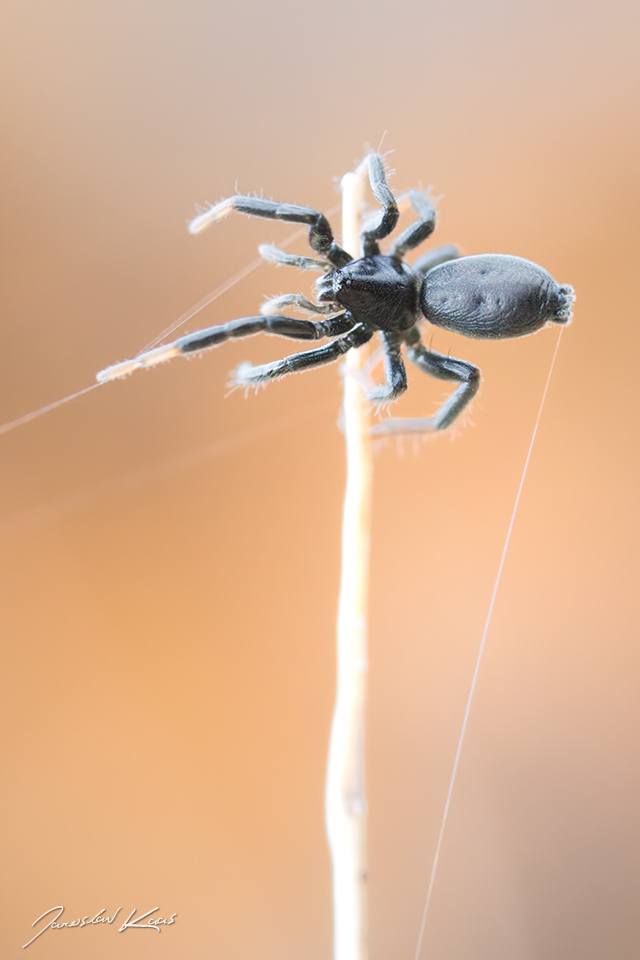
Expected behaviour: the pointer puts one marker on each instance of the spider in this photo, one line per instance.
(487, 296)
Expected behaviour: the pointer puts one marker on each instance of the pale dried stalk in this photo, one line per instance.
(345, 802)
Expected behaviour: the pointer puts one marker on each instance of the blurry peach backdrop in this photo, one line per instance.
(170, 553)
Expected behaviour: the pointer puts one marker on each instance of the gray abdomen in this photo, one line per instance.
(493, 296)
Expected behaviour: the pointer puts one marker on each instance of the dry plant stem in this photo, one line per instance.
(345, 803)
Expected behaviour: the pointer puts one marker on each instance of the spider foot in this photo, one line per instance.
(247, 375)
(397, 426)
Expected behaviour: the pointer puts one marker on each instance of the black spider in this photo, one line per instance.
(490, 296)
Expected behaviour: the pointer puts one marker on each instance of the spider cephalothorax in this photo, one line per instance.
(379, 291)
(490, 296)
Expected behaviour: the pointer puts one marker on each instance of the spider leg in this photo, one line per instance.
(418, 231)
(278, 324)
(394, 372)
(380, 225)
(434, 258)
(444, 368)
(275, 304)
(246, 375)
(320, 233)
(273, 254)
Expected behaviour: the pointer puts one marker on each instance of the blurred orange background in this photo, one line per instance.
(170, 553)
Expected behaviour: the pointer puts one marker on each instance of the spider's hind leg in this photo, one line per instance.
(443, 368)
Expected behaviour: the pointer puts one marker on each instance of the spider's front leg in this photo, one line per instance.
(320, 232)
(248, 375)
(278, 324)
(443, 368)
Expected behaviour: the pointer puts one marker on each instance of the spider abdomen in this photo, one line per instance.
(493, 296)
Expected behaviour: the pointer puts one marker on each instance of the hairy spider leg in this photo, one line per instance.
(273, 254)
(247, 375)
(394, 372)
(381, 225)
(433, 258)
(278, 324)
(417, 232)
(443, 368)
(320, 233)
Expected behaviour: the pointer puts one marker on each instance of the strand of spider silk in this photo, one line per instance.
(227, 285)
(479, 657)
(50, 406)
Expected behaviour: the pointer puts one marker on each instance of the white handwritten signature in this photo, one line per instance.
(153, 923)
